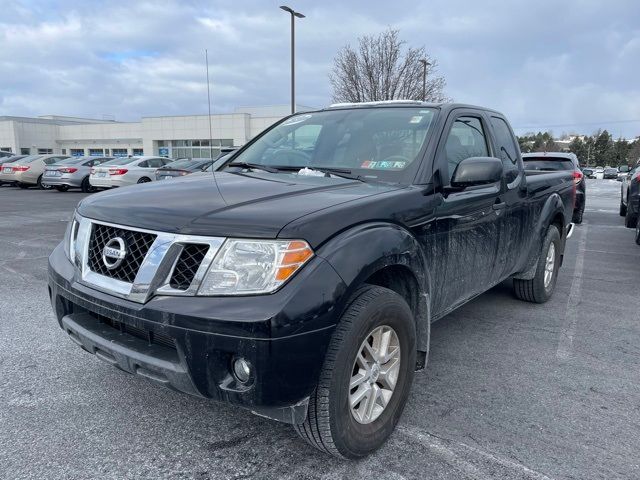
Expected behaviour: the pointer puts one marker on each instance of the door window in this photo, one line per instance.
(507, 149)
(144, 164)
(466, 139)
(154, 163)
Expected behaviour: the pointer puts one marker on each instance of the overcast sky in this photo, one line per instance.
(572, 65)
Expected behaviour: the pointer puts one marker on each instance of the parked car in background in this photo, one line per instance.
(6, 162)
(121, 172)
(555, 161)
(623, 170)
(181, 167)
(72, 173)
(588, 172)
(629, 197)
(27, 172)
(610, 173)
(598, 172)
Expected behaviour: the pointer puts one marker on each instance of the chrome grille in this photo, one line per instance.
(185, 270)
(137, 246)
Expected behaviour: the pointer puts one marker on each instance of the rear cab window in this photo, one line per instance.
(547, 163)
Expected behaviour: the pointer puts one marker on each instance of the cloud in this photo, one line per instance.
(544, 63)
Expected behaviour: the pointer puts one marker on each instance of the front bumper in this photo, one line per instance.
(189, 343)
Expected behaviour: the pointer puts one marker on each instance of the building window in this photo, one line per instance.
(96, 152)
(45, 151)
(5, 149)
(119, 152)
(64, 151)
(202, 148)
(77, 152)
(25, 151)
(137, 152)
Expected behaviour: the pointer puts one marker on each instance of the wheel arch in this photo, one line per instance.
(552, 213)
(389, 256)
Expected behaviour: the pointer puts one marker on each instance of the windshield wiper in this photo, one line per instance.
(253, 166)
(338, 172)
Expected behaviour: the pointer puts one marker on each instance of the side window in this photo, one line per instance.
(507, 149)
(144, 164)
(155, 163)
(466, 139)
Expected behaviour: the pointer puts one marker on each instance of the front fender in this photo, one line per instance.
(361, 251)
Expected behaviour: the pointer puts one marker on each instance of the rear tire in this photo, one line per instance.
(540, 288)
(577, 216)
(144, 180)
(630, 219)
(638, 233)
(623, 209)
(332, 425)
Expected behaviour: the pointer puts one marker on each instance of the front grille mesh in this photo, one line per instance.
(137, 246)
(187, 265)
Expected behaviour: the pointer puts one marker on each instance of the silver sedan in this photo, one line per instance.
(72, 173)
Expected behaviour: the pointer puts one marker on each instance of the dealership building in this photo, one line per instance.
(174, 137)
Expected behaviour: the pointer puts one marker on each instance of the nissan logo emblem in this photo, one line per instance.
(113, 253)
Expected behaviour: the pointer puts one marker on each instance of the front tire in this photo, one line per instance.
(86, 186)
(540, 288)
(638, 233)
(623, 209)
(376, 328)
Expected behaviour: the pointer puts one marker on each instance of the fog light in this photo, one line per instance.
(241, 370)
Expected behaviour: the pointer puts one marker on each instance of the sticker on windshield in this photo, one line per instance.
(383, 165)
(297, 119)
(416, 119)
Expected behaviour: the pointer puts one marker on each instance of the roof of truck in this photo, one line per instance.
(407, 103)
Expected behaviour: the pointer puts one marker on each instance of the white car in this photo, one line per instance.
(121, 172)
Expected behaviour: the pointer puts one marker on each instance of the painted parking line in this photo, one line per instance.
(568, 330)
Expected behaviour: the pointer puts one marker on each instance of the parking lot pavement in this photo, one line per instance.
(512, 390)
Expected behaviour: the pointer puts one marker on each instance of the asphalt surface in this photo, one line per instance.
(512, 390)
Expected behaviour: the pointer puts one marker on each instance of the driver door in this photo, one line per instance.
(466, 239)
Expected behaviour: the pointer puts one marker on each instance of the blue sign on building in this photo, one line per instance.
(163, 151)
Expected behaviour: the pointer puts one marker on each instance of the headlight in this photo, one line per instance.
(70, 236)
(244, 267)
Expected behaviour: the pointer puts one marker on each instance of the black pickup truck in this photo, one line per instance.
(300, 280)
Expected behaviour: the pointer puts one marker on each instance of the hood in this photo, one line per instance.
(253, 205)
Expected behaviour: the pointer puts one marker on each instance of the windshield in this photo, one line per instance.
(183, 163)
(30, 158)
(372, 143)
(71, 161)
(120, 161)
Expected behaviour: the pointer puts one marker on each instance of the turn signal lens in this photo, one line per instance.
(118, 171)
(577, 176)
(21, 168)
(68, 170)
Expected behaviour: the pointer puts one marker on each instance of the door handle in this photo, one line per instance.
(499, 205)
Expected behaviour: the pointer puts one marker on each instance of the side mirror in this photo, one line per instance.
(477, 171)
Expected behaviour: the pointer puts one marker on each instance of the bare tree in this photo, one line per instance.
(384, 68)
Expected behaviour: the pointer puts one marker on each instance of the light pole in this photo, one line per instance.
(424, 63)
(294, 14)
